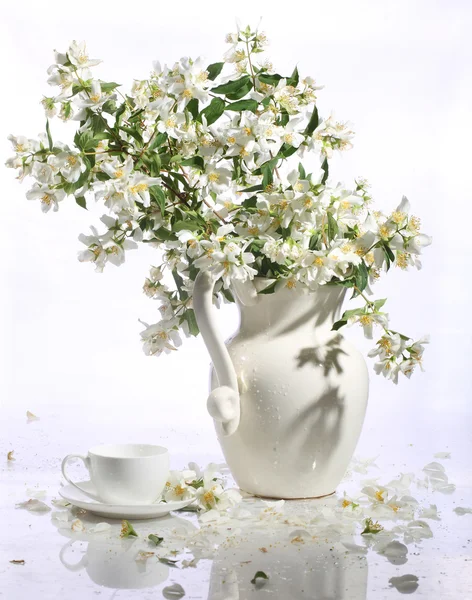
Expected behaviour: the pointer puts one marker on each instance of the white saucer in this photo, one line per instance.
(145, 511)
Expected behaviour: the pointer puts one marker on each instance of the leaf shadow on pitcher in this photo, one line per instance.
(325, 356)
(318, 426)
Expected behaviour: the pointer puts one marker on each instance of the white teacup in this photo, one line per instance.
(124, 473)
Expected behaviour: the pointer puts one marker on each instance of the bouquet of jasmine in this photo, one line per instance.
(222, 167)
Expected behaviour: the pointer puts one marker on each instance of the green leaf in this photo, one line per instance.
(228, 295)
(192, 322)
(48, 131)
(286, 150)
(259, 575)
(179, 282)
(157, 194)
(81, 202)
(313, 122)
(294, 78)
(214, 110)
(267, 173)
(214, 70)
(250, 202)
(333, 228)
(155, 538)
(67, 109)
(186, 226)
(119, 113)
(109, 107)
(338, 325)
(269, 79)
(244, 105)
(379, 303)
(157, 141)
(270, 289)
(314, 241)
(254, 188)
(353, 312)
(231, 86)
(192, 108)
(194, 161)
(301, 170)
(134, 133)
(163, 234)
(243, 90)
(325, 168)
(362, 276)
(108, 87)
(136, 116)
(97, 124)
(284, 118)
(155, 164)
(388, 251)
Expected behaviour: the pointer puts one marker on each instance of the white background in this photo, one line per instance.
(70, 349)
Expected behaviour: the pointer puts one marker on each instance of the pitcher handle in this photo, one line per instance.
(223, 403)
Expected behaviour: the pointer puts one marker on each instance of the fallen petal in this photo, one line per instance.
(442, 455)
(460, 510)
(77, 525)
(406, 584)
(100, 527)
(34, 505)
(171, 592)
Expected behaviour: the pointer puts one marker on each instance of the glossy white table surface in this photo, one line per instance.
(62, 564)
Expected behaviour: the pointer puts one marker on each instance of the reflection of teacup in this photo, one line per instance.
(112, 561)
(124, 474)
(113, 564)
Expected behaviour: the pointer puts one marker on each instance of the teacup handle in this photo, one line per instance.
(86, 461)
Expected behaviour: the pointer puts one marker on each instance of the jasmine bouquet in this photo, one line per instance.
(221, 167)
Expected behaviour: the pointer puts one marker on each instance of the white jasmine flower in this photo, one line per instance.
(332, 135)
(177, 486)
(194, 247)
(43, 173)
(160, 337)
(215, 179)
(49, 197)
(290, 135)
(315, 268)
(170, 122)
(69, 164)
(22, 145)
(77, 54)
(93, 99)
(138, 188)
(368, 320)
(232, 263)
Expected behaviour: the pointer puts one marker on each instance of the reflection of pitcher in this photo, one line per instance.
(304, 570)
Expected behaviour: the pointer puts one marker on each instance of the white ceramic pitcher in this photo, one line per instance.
(289, 395)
